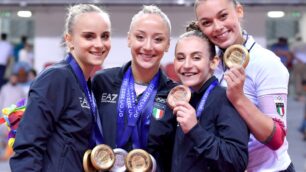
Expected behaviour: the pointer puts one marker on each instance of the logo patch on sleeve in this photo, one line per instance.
(280, 105)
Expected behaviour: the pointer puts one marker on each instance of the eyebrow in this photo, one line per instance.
(155, 34)
(204, 18)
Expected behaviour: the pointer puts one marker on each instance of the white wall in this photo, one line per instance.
(49, 24)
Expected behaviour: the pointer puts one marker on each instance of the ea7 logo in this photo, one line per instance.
(109, 98)
(84, 103)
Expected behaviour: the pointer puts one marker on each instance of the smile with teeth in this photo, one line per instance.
(97, 53)
(188, 74)
(147, 55)
(222, 35)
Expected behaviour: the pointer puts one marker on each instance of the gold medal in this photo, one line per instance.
(102, 157)
(178, 93)
(138, 160)
(236, 55)
(87, 165)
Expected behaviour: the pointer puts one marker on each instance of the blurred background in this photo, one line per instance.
(31, 36)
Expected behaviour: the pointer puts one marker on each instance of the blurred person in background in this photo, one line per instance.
(19, 46)
(281, 49)
(299, 73)
(10, 94)
(26, 55)
(299, 68)
(6, 52)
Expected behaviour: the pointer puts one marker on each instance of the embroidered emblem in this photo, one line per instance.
(84, 103)
(280, 105)
(158, 113)
(158, 110)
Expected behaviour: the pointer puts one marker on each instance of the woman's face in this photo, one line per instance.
(89, 41)
(148, 39)
(192, 63)
(219, 20)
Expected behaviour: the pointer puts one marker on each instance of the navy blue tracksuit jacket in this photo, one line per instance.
(106, 87)
(56, 127)
(219, 142)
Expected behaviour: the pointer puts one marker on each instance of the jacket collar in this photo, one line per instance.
(206, 85)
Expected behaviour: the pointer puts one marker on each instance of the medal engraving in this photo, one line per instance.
(236, 55)
(178, 93)
(138, 160)
(102, 157)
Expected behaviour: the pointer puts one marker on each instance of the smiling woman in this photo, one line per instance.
(209, 121)
(61, 102)
(142, 119)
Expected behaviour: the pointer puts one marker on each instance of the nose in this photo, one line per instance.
(217, 25)
(148, 44)
(187, 63)
(98, 43)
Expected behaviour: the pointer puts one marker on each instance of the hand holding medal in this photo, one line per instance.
(236, 55)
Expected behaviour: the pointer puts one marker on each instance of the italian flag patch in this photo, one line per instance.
(158, 113)
(280, 105)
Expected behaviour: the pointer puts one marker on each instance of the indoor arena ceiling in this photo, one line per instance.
(138, 2)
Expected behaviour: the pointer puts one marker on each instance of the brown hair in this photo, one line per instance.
(192, 29)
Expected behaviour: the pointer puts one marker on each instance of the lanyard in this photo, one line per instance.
(97, 137)
(204, 98)
(127, 105)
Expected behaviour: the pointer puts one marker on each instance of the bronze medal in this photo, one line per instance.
(138, 160)
(236, 55)
(178, 93)
(102, 157)
(119, 165)
(87, 165)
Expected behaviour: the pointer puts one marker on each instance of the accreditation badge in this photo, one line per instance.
(280, 105)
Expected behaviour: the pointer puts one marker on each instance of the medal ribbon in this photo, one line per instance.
(204, 98)
(127, 104)
(97, 136)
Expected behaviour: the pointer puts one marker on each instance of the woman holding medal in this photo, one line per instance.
(213, 137)
(59, 123)
(258, 92)
(132, 99)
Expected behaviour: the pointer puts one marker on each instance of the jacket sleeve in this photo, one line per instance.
(227, 148)
(46, 102)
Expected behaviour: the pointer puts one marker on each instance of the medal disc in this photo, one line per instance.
(102, 157)
(87, 165)
(138, 160)
(119, 165)
(178, 93)
(236, 55)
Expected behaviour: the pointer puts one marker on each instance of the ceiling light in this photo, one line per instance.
(25, 14)
(276, 14)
